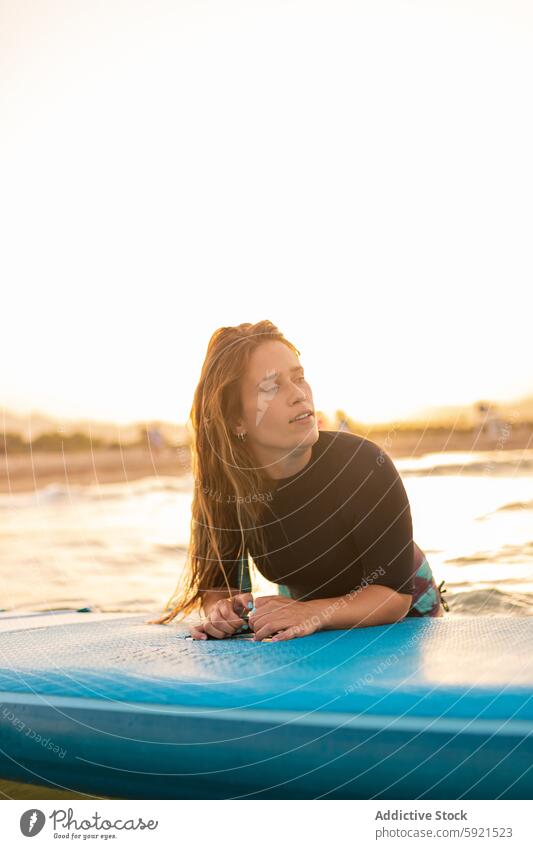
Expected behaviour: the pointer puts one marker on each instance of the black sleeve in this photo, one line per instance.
(380, 516)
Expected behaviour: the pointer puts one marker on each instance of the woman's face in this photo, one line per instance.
(274, 391)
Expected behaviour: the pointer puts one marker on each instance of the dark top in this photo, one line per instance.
(343, 519)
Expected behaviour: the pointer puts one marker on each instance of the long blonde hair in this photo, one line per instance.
(225, 518)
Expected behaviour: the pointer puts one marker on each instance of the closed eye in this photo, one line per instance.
(276, 386)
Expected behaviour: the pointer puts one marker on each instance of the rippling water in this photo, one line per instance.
(120, 546)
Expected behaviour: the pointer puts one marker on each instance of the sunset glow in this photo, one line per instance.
(370, 194)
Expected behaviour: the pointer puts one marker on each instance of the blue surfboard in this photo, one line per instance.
(107, 704)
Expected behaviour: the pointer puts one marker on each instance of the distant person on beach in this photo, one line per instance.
(490, 424)
(323, 514)
(155, 440)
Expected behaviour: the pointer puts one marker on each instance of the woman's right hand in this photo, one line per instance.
(225, 617)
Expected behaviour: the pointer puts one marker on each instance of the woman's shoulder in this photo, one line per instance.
(355, 458)
(350, 446)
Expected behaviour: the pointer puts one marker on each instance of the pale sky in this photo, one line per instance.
(358, 173)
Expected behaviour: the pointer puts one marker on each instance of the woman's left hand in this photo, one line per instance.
(286, 616)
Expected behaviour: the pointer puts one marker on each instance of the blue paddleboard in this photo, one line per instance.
(106, 704)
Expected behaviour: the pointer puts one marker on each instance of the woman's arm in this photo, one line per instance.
(282, 618)
(372, 605)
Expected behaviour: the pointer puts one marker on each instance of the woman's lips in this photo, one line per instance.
(305, 420)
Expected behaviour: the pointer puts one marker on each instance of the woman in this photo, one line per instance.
(323, 514)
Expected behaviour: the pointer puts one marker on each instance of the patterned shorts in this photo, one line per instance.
(427, 597)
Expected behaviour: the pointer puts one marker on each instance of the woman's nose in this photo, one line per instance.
(297, 401)
(300, 392)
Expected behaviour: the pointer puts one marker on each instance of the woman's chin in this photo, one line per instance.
(305, 435)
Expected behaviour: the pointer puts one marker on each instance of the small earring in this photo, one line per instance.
(241, 436)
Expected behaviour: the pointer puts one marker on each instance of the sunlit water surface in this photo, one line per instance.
(121, 546)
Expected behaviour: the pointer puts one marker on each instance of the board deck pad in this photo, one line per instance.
(387, 711)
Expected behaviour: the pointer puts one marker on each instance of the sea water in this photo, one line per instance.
(121, 546)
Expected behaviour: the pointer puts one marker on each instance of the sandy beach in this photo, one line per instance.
(24, 473)
(18, 790)
(29, 472)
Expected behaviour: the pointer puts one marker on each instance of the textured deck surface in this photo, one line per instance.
(415, 664)
(122, 696)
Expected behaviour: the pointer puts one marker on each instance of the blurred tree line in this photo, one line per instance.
(13, 443)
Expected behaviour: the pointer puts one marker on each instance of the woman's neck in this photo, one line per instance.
(288, 465)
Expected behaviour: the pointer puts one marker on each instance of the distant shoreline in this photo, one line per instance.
(26, 472)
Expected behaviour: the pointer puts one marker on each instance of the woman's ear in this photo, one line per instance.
(237, 427)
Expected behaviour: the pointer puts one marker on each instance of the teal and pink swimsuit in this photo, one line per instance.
(427, 596)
